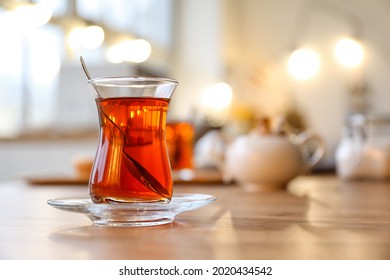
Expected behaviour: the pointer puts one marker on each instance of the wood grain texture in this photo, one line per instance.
(319, 217)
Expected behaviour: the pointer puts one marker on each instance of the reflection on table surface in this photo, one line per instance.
(319, 217)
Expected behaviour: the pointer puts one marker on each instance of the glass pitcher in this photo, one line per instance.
(364, 151)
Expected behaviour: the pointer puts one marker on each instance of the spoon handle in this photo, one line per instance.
(85, 68)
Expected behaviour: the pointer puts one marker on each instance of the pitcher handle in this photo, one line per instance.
(303, 139)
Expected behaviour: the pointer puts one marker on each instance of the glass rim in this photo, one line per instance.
(131, 80)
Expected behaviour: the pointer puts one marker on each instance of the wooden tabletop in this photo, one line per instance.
(319, 217)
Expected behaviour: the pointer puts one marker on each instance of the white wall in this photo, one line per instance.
(197, 55)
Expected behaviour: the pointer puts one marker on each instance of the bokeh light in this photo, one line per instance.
(90, 37)
(215, 103)
(217, 97)
(136, 51)
(304, 64)
(28, 15)
(349, 52)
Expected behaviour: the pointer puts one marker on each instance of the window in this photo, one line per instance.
(38, 85)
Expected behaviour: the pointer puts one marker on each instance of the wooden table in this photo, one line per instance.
(319, 217)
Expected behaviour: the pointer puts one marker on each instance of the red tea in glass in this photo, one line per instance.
(132, 163)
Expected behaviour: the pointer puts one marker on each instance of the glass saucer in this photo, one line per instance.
(133, 214)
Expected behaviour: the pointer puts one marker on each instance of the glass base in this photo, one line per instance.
(119, 200)
(133, 214)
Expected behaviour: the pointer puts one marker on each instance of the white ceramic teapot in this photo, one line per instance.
(266, 159)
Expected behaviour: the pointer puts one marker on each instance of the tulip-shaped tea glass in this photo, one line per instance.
(131, 163)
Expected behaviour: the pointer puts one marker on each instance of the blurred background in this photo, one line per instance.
(314, 61)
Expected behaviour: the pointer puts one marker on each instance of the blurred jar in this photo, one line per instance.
(364, 151)
(180, 141)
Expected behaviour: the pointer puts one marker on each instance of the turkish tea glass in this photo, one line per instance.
(131, 162)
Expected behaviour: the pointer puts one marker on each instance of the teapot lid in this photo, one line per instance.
(266, 126)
